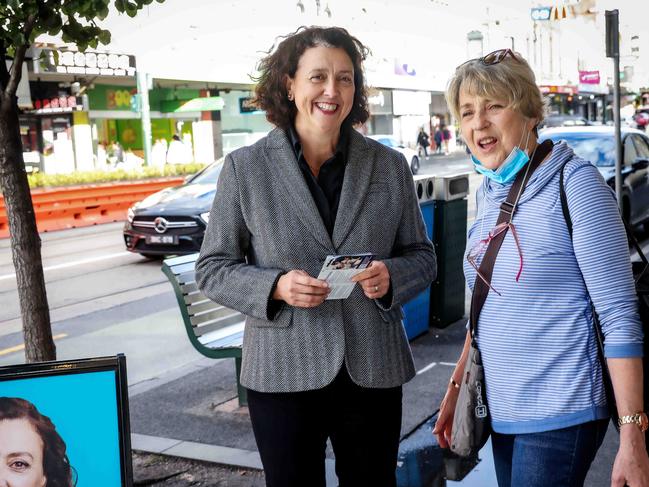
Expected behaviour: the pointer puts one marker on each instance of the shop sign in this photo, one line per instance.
(589, 77)
(119, 99)
(88, 63)
(246, 105)
(410, 102)
(541, 13)
(380, 102)
(558, 89)
(59, 104)
(404, 68)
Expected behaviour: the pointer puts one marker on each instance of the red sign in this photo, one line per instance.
(58, 104)
(589, 77)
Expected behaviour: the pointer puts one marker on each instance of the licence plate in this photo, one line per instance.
(162, 239)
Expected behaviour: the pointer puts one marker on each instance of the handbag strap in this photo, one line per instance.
(566, 215)
(507, 210)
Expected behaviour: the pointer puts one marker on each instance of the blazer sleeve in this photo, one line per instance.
(412, 265)
(223, 272)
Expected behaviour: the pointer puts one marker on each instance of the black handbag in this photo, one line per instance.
(472, 421)
(641, 277)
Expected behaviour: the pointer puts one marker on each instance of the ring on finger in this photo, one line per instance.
(376, 289)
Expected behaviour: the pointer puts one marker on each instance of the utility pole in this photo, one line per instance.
(613, 51)
(145, 113)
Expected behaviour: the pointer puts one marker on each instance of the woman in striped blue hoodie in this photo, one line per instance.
(535, 331)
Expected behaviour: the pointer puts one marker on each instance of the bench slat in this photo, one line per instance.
(222, 314)
(232, 341)
(183, 268)
(187, 277)
(183, 259)
(231, 335)
(217, 324)
(193, 297)
(203, 306)
(189, 288)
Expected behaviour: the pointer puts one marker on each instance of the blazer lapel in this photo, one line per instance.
(282, 157)
(355, 185)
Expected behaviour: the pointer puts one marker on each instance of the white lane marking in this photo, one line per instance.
(428, 367)
(448, 364)
(72, 264)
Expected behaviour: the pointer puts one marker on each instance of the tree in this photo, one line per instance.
(20, 23)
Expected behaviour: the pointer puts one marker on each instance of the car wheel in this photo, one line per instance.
(414, 165)
(152, 256)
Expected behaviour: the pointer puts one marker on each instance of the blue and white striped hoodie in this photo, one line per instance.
(537, 339)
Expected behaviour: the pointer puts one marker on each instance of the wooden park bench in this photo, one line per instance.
(213, 330)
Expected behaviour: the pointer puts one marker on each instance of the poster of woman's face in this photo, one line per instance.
(61, 430)
(21, 454)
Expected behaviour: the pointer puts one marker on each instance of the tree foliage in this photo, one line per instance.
(21, 21)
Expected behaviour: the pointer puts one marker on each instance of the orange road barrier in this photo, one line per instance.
(82, 206)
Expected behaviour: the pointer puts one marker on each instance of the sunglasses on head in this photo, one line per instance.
(494, 57)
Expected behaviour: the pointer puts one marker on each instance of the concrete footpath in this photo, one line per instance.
(193, 413)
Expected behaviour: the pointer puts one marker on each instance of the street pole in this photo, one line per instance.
(145, 114)
(613, 51)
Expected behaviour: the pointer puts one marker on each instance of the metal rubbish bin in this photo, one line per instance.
(449, 237)
(416, 319)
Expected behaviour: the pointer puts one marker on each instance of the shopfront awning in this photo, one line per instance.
(207, 104)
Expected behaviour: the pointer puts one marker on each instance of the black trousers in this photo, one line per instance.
(291, 430)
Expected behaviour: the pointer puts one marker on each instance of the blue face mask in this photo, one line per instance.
(507, 171)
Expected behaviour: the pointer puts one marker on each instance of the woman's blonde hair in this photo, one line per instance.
(511, 80)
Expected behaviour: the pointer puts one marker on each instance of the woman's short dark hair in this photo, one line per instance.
(56, 466)
(282, 61)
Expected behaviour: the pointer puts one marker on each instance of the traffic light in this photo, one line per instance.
(612, 33)
(136, 103)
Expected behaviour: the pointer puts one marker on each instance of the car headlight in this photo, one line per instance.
(130, 214)
(205, 217)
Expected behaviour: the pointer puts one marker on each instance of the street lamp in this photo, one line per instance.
(474, 44)
(300, 6)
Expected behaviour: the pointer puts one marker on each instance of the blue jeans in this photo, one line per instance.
(558, 458)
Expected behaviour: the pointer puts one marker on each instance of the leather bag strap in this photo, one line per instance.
(507, 210)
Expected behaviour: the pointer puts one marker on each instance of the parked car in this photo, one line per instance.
(597, 145)
(564, 120)
(173, 221)
(411, 155)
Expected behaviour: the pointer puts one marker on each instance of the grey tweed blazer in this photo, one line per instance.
(264, 222)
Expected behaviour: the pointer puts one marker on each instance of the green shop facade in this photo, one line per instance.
(80, 117)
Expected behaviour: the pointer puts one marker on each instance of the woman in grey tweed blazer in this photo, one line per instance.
(317, 368)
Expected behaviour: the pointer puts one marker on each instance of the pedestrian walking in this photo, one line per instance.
(438, 140)
(422, 141)
(535, 332)
(446, 138)
(178, 152)
(314, 187)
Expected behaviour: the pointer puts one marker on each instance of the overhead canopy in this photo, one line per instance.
(207, 104)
